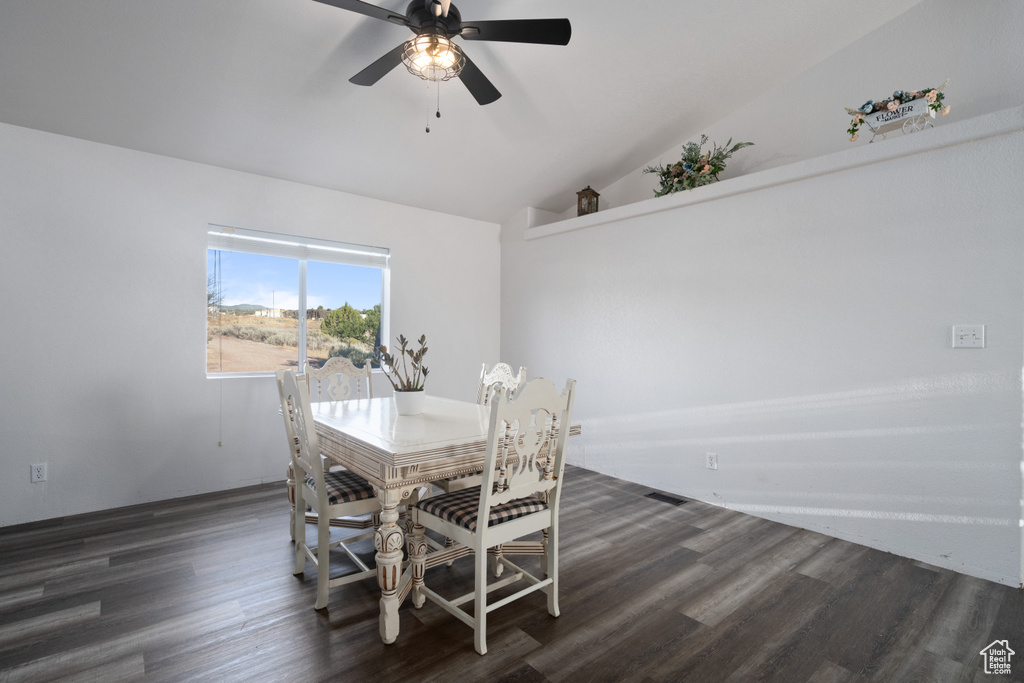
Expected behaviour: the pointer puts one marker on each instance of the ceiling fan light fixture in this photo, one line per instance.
(433, 57)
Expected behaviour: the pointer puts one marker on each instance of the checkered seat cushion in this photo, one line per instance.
(344, 487)
(461, 508)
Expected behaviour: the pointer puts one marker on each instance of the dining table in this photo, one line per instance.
(399, 454)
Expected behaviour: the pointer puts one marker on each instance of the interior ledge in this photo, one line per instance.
(996, 124)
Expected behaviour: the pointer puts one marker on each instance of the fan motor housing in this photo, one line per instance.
(422, 20)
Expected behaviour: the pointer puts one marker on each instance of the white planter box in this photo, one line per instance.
(908, 117)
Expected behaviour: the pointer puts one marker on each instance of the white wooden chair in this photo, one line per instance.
(331, 495)
(499, 377)
(521, 491)
(338, 380)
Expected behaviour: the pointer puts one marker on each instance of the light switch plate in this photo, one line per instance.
(968, 336)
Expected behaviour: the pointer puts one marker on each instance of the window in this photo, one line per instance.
(279, 301)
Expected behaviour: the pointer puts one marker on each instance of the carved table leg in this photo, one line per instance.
(389, 541)
(498, 566)
(417, 558)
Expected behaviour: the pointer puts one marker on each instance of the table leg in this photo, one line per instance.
(417, 556)
(389, 540)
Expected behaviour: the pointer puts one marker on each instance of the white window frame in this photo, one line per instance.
(303, 249)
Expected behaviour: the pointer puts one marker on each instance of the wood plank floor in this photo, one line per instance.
(201, 589)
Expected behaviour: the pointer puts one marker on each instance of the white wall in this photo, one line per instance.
(801, 331)
(976, 44)
(102, 344)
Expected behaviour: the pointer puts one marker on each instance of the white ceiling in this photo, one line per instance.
(262, 86)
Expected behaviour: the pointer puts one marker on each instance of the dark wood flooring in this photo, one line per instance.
(201, 589)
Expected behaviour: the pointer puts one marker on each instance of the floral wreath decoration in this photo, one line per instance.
(696, 167)
(934, 96)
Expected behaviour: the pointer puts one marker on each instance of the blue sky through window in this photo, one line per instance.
(273, 282)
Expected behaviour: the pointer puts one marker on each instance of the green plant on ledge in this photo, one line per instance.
(696, 167)
(403, 375)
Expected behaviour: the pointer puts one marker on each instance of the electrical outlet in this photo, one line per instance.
(712, 461)
(37, 473)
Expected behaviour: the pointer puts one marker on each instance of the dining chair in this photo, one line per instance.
(339, 380)
(520, 495)
(499, 378)
(332, 496)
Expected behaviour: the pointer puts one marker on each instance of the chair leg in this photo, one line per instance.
(323, 560)
(290, 484)
(417, 546)
(551, 566)
(480, 603)
(299, 536)
(300, 558)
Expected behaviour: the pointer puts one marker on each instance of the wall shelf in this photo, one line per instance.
(992, 125)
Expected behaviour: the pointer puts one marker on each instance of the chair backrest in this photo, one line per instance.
(526, 428)
(301, 433)
(339, 380)
(500, 377)
(286, 410)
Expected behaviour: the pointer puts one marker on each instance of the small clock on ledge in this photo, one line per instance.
(586, 201)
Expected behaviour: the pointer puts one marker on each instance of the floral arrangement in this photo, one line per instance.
(934, 96)
(402, 375)
(696, 167)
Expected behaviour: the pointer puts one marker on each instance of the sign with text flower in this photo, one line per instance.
(904, 105)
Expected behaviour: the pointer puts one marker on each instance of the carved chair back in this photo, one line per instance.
(526, 445)
(299, 426)
(500, 377)
(339, 380)
(286, 410)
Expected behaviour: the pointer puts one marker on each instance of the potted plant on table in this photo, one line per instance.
(406, 372)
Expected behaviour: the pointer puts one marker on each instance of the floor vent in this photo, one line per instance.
(664, 498)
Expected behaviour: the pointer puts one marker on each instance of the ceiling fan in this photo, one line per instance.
(432, 56)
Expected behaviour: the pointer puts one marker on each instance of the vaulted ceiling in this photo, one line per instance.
(262, 86)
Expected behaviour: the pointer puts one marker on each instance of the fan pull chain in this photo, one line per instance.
(428, 100)
(438, 112)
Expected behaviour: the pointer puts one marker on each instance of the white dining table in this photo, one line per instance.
(398, 454)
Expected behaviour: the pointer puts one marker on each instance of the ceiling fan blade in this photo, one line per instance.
(369, 10)
(546, 31)
(479, 87)
(380, 68)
